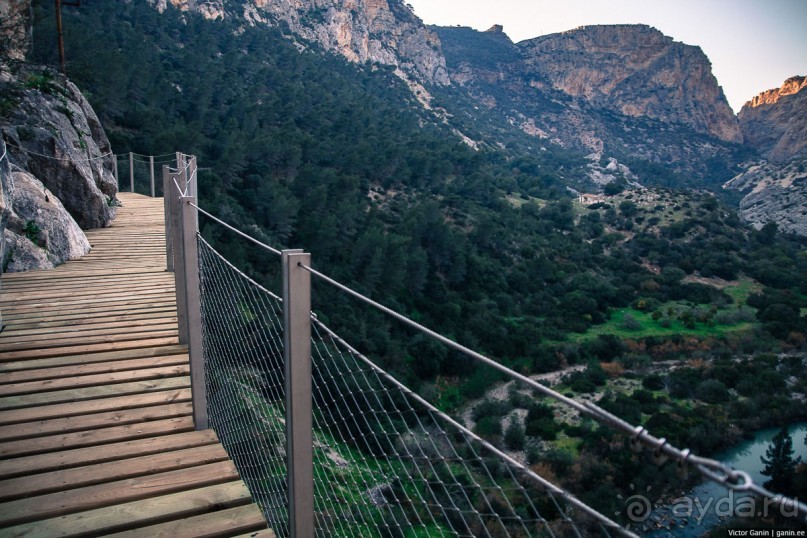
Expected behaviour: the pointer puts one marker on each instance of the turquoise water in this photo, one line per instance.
(709, 504)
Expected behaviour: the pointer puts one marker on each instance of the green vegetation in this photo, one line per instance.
(486, 247)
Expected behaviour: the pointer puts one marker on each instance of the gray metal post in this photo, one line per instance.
(193, 310)
(117, 179)
(169, 246)
(182, 178)
(297, 356)
(193, 177)
(151, 168)
(175, 224)
(131, 171)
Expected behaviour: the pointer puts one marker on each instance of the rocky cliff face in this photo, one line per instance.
(57, 172)
(637, 71)
(775, 121)
(774, 192)
(375, 31)
(613, 92)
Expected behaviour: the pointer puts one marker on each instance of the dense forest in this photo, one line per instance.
(486, 246)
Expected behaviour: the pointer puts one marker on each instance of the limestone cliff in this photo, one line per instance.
(774, 192)
(634, 70)
(57, 172)
(614, 92)
(386, 32)
(775, 121)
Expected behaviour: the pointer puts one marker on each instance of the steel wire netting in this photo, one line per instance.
(386, 463)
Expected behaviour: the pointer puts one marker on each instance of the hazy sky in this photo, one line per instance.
(754, 45)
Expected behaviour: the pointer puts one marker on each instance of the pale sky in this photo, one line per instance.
(754, 45)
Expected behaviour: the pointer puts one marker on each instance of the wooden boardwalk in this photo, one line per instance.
(96, 432)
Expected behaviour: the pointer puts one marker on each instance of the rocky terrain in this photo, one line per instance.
(55, 165)
(633, 70)
(621, 92)
(775, 189)
(385, 32)
(775, 121)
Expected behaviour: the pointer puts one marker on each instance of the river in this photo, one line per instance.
(708, 504)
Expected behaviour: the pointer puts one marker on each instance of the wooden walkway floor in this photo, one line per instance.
(96, 433)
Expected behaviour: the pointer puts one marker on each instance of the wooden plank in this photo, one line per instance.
(111, 493)
(59, 339)
(131, 318)
(74, 409)
(57, 372)
(213, 525)
(178, 418)
(53, 481)
(138, 514)
(83, 359)
(108, 313)
(96, 393)
(110, 378)
(66, 459)
(88, 348)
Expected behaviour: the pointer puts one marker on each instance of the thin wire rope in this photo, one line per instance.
(236, 231)
(712, 469)
(5, 150)
(340, 519)
(29, 152)
(542, 481)
(126, 155)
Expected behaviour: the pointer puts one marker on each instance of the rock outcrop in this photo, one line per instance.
(774, 192)
(40, 233)
(386, 32)
(637, 71)
(56, 173)
(775, 121)
(625, 92)
(54, 134)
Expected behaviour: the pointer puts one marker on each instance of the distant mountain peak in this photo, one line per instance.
(495, 29)
(775, 121)
(635, 70)
(791, 86)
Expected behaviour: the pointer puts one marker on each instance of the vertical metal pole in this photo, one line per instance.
(131, 171)
(151, 168)
(175, 211)
(169, 245)
(297, 355)
(60, 38)
(117, 179)
(193, 177)
(180, 171)
(193, 310)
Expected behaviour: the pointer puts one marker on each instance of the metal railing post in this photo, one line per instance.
(297, 358)
(151, 168)
(117, 179)
(131, 171)
(175, 225)
(193, 309)
(169, 243)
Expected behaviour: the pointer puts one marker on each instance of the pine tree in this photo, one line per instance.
(779, 463)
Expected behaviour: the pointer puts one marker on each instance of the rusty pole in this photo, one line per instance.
(61, 38)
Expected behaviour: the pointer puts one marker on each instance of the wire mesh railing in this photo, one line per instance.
(385, 461)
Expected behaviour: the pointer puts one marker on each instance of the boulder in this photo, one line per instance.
(41, 219)
(54, 134)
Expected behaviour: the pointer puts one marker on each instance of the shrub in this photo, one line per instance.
(712, 391)
(514, 435)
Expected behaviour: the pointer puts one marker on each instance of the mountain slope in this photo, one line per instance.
(623, 92)
(386, 32)
(775, 121)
